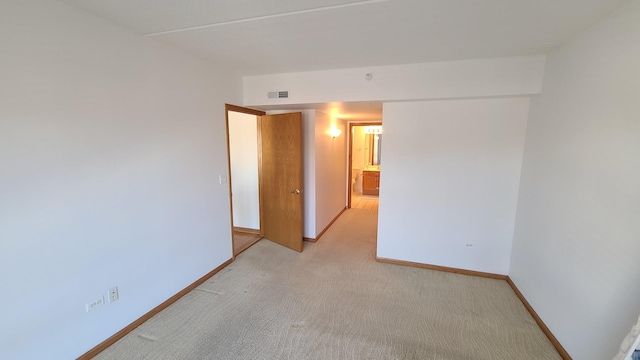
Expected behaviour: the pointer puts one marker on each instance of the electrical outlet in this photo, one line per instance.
(113, 294)
(469, 245)
(95, 303)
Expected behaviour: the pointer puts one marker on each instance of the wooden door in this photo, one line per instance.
(280, 140)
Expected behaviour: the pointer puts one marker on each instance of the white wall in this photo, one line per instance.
(443, 80)
(309, 167)
(576, 250)
(331, 170)
(450, 177)
(110, 149)
(359, 148)
(243, 149)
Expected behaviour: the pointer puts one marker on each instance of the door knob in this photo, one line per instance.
(296, 191)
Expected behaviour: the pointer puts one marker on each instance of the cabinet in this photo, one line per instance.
(371, 182)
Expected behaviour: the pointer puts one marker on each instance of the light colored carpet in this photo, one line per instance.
(334, 301)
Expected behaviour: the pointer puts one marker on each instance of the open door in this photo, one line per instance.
(280, 138)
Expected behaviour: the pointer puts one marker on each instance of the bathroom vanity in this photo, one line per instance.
(371, 182)
(365, 158)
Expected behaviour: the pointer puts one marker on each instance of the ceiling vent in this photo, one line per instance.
(278, 95)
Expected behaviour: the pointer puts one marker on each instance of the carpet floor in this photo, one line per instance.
(334, 301)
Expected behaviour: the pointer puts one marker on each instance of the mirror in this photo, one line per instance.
(374, 145)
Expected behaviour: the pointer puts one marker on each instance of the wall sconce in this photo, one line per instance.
(335, 132)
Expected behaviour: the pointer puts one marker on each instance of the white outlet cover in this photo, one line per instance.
(113, 294)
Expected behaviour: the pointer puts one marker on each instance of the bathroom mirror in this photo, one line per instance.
(374, 142)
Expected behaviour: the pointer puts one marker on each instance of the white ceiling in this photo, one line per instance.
(275, 36)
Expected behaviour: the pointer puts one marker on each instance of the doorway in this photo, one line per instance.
(244, 178)
(265, 177)
(365, 164)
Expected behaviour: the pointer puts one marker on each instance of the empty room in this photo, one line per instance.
(502, 137)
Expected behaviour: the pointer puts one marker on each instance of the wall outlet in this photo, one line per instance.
(469, 245)
(113, 294)
(95, 303)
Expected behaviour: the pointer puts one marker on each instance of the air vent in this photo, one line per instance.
(278, 95)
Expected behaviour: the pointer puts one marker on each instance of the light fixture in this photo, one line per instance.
(335, 132)
(373, 129)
